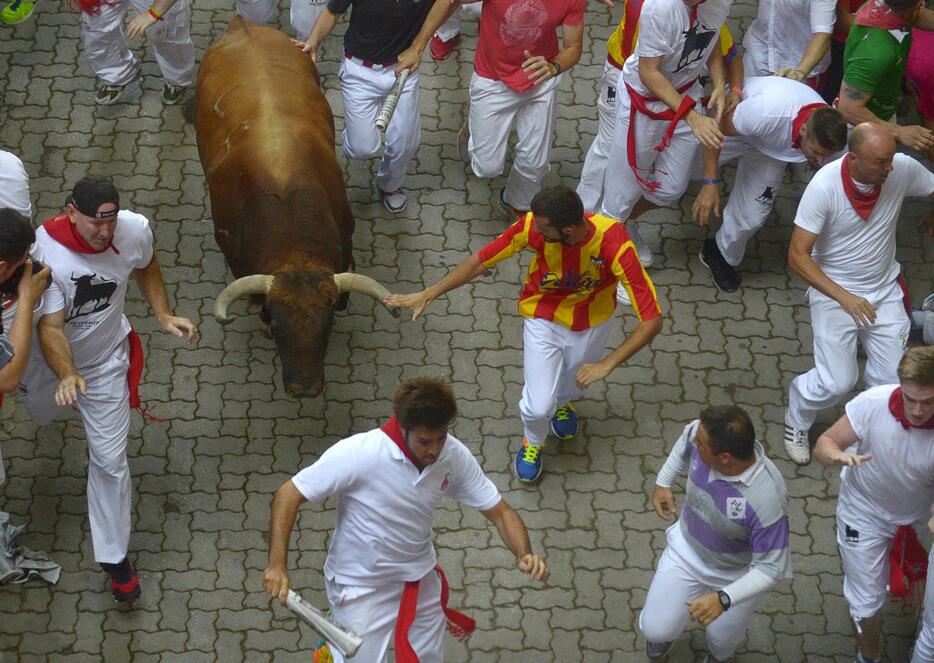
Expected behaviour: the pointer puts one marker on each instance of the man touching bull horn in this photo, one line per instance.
(567, 301)
(381, 573)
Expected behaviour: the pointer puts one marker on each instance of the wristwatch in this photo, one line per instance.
(557, 68)
(724, 600)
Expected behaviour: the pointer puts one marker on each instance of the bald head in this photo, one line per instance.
(872, 149)
(870, 137)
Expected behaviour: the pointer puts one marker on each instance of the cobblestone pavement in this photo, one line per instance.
(204, 480)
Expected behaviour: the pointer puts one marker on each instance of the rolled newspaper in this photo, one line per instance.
(343, 639)
(389, 105)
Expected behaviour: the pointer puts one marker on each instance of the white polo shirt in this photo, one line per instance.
(665, 31)
(897, 485)
(781, 32)
(859, 255)
(386, 506)
(14, 184)
(91, 287)
(765, 116)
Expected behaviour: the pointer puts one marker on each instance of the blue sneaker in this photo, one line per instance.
(564, 422)
(528, 463)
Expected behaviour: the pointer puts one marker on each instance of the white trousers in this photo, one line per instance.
(682, 577)
(758, 180)
(593, 173)
(452, 27)
(836, 369)
(924, 645)
(371, 612)
(864, 543)
(105, 412)
(493, 107)
(671, 168)
(111, 59)
(302, 13)
(552, 354)
(363, 90)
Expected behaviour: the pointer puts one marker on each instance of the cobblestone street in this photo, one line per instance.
(205, 478)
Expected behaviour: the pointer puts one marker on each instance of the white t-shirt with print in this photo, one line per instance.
(386, 506)
(858, 255)
(91, 287)
(665, 31)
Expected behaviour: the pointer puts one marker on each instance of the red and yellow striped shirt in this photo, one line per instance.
(575, 286)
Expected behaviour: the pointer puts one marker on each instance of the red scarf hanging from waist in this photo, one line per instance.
(459, 624)
(640, 104)
(800, 120)
(897, 408)
(863, 203)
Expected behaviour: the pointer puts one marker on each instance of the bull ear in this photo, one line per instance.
(329, 289)
(350, 282)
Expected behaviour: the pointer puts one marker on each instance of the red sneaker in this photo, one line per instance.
(123, 582)
(440, 49)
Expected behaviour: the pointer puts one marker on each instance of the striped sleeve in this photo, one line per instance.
(629, 271)
(509, 243)
(727, 46)
(6, 351)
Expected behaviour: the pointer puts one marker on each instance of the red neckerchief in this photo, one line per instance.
(876, 14)
(459, 624)
(800, 120)
(897, 408)
(693, 11)
(394, 433)
(62, 230)
(863, 203)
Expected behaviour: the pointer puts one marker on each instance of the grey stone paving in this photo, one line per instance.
(205, 479)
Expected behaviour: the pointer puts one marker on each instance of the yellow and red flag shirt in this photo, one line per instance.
(622, 42)
(575, 286)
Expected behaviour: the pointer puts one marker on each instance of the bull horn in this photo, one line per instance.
(256, 284)
(350, 282)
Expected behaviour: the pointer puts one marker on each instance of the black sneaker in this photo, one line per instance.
(123, 582)
(172, 94)
(724, 276)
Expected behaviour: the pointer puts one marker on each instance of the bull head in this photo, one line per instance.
(299, 309)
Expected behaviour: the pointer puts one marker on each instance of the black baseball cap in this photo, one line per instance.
(91, 192)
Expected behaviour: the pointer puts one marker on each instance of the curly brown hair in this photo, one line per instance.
(426, 402)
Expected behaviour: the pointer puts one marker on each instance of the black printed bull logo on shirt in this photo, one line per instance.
(90, 296)
(696, 41)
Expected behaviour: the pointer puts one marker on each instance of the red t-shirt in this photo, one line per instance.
(509, 27)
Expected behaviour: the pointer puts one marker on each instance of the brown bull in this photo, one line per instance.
(281, 217)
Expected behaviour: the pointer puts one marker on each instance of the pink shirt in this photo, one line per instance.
(510, 27)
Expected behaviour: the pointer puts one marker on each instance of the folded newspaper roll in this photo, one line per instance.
(343, 639)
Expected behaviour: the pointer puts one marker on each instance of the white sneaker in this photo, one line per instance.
(622, 296)
(796, 443)
(395, 202)
(645, 253)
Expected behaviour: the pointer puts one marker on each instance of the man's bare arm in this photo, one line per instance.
(152, 285)
(57, 352)
(705, 128)
(853, 108)
(830, 446)
(516, 537)
(440, 12)
(284, 511)
(800, 260)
